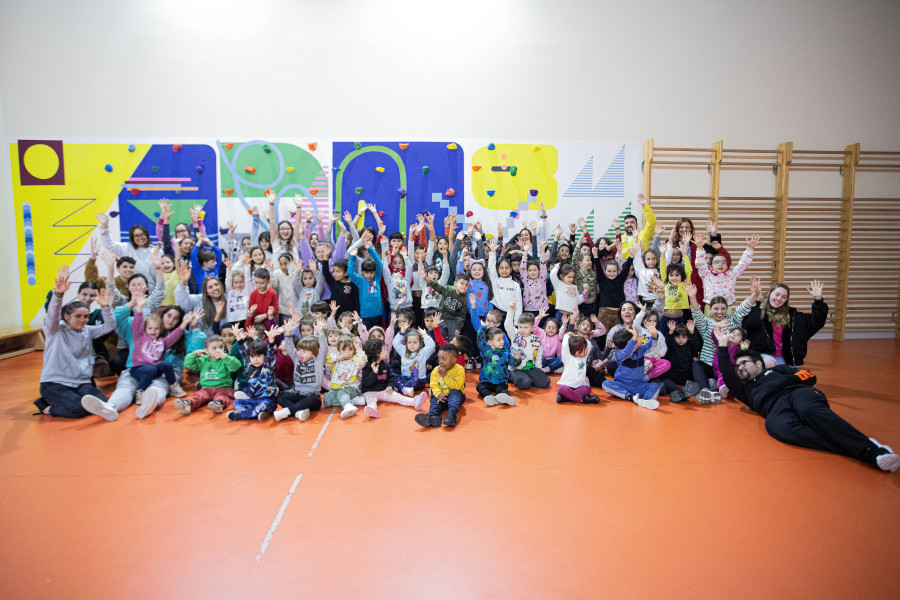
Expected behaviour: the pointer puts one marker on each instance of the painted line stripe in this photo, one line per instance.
(160, 188)
(321, 433)
(284, 505)
(152, 179)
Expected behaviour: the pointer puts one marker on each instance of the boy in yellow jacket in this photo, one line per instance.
(448, 381)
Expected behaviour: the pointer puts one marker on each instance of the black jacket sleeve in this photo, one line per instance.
(730, 376)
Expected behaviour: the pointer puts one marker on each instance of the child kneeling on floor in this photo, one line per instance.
(216, 367)
(628, 382)
(573, 385)
(448, 382)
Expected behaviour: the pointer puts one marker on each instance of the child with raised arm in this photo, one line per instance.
(551, 342)
(506, 289)
(718, 278)
(534, 283)
(568, 297)
(308, 354)
(147, 356)
(259, 358)
(683, 345)
(674, 278)
(414, 348)
(573, 385)
(379, 381)
(448, 382)
(526, 343)
(454, 304)
(205, 260)
(216, 368)
(370, 306)
(497, 357)
(628, 382)
(263, 300)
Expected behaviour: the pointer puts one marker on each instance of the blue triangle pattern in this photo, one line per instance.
(611, 185)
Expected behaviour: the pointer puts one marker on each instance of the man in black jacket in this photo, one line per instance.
(796, 412)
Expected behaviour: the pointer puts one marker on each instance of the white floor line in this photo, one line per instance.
(321, 433)
(277, 520)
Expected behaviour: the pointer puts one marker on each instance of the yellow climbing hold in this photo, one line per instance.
(379, 169)
(289, 169)
(451, 146)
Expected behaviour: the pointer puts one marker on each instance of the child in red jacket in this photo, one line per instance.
(263, 300)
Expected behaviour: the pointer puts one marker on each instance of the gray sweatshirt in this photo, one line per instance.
(307, 375)
(69, 354)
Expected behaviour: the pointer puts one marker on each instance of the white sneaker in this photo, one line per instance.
(96, 406)
(176, 391)
(303, 415)
(182, 406)
(491, 400)
(349, 411)
(652, 404)
(138, 397)
(240, 396)
(708, 397)
(148, 405)
(506, 399)
(886, 462)
(216, 406)
(281, 414)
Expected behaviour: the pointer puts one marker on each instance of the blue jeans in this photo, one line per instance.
(553, 363)
(145, 374)
(454, 401)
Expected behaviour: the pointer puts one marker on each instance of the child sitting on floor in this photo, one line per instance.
(344, 369)
(259, 356)
(216, 368)
(573, 383)
(379, 382)
(628, 382)
(448, 382)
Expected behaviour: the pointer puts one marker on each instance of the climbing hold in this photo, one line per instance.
(335, 169)
(224, 230)
(266, 148)
(108, 168)
(229, 146)
(312, 146)
(178, 192)
(503, 167)
(267, 192)
(491, 146)
(134, 191)
(451, 146)
(313, 192)
(425, 170)
(177, 147)
(155, 169)
(402, 192)
(535, 148)
(381, 213)
(156, 215)
(293, 213)
(403, 145)
(289, 169)
(114, 214)
(450, 192)
(132, 148)
(199, 168)
(533, 192)
(514, 214)
(202, 214)
(469, 213)
(249, 169)
(357, 145)
(513, 170)
(228, 192)
(358, 191)
(249, 210)
(476, 167)
(379, 169)
(490, 193)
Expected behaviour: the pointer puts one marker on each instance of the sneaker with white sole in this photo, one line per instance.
(176, 391)
(263, 415)
(96, 406)
(709, 397)
(281, 414)
(676, 396)
(138, 397)
(491, 400)
(506, 399)
(691, 388)
(216, 406)
(420, 400)
(303, 415)
(650, 403)
(888, 461)
(371, 410)
(148, 405)
(349, 411)
(183, 406)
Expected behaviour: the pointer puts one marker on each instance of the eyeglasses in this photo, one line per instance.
(743, 363)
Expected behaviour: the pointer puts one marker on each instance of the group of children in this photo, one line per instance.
(283, 323)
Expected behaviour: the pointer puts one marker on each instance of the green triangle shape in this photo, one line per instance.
(181, 209)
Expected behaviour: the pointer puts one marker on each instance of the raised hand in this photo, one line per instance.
(103, 218)
(660, 228)
(184, 273)
(642, 199)
(755, 286)
(691, 327)
(238, 332)
(104, 297)
(62, 280)
(220, 310)
(671, 325)
(815, 289)
(154, 258)
(721, 332)
(690, 289)
(712, 228)
(753, 241)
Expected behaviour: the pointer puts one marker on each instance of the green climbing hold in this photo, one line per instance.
(512, 171)
(358, 191)
(424, 170)
(357, 145)
(266, 148)
(156, 169)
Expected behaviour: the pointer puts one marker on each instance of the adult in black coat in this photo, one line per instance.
(796, 327)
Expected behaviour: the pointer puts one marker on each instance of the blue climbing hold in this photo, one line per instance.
(199, 169)
(402, 192)
(156, 215)
(491, 146)
(335, 169)
(132, 148)
(223, 230)
(533, 192)
(114, 214)
(490, 193)
(108, 168)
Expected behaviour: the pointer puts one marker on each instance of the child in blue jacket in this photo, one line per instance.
(371, 308)
(628, 381)
(496, 357)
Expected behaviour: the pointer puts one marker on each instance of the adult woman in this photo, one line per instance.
(66, 388)
(778, 331)
(284, 241)
(211, 299)
(138, 248)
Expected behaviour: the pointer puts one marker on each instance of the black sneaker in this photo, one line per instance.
(264, 415)
(590, 399)
(41, 404)
(233, 416)
(427, 420)
(560, 399)
(450, 419)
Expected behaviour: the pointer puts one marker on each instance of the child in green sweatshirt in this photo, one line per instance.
(216, 367)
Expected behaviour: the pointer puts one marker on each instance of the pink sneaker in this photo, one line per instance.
(371, 411)
(420, 402)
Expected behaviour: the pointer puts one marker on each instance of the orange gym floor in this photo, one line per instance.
(534, 501)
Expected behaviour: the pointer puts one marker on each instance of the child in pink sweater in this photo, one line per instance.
(551, 342)
(534, 283)
(719, 279)
(148, 349)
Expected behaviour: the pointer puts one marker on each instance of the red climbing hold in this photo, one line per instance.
(177, 147)
(228, 192)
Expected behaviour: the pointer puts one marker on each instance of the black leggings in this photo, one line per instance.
(295, 402)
